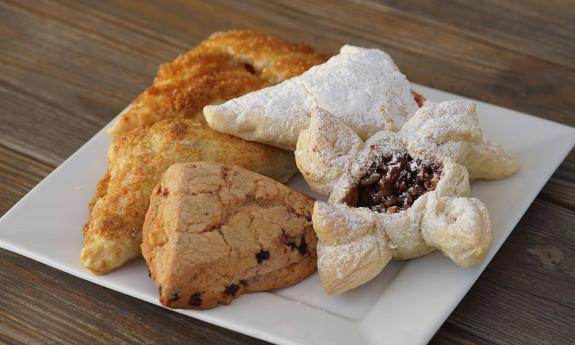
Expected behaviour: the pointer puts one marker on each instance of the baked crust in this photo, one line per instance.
(356, 243)
(164, 125)
(214, 232)
(137, 160)
(360, 86)
(451, 130)
(226, 65)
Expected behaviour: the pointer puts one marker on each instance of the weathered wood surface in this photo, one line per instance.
(67, 67)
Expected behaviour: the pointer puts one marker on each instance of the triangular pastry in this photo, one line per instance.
(226, 65)
(360, 86)
(398, 195)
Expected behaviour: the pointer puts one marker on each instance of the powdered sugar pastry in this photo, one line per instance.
(398, 195)
(362, 87)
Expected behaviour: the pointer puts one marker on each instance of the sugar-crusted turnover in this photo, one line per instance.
(226, 65)
(398, 195)
(214, 232)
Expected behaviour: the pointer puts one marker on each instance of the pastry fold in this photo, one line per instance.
(437, 131)
(451, 130)
(362, 87)
(415, 186)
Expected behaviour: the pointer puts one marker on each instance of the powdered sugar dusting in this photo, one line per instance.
(361, 86)
(445, 137)
(444, 122)
(365, 249)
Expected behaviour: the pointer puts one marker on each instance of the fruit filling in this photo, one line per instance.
(394, 182)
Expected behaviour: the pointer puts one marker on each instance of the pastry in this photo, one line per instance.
(398, 195)
(360, 86)
(214, 232)
(226, 65)
(436, 131)
(137, 160)
(451, 129)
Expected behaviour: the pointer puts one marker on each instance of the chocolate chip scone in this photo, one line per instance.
(214, 232)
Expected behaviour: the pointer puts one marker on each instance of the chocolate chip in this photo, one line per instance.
(286, 239)
(165, 192)
(149, 273)
(262, 255)
(231, 289)
(302, 248)
(195, 299)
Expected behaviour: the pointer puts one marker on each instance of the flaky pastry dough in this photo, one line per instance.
(356, 243)
(226, 65)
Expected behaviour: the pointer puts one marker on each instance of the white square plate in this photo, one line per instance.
(405, 304)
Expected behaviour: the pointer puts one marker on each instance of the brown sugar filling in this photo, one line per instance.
(394, 182)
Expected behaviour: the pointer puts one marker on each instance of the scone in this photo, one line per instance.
(362, 87)
(137, 160)
(165, 125)
(398, 195)
(214, 232)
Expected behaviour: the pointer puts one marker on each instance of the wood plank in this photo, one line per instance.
(504, 315)
(561, 187)
(41, 305)
(53, 89)
(530, 27)
(18, 174)
(452, 334)
(71, 63)
(538, 258)
(530, 278)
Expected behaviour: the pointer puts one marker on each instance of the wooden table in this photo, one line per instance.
(67, 67)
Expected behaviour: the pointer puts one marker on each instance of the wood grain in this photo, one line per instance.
(18, 174)
(528, 27)
(68, 67)
(41, 305)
